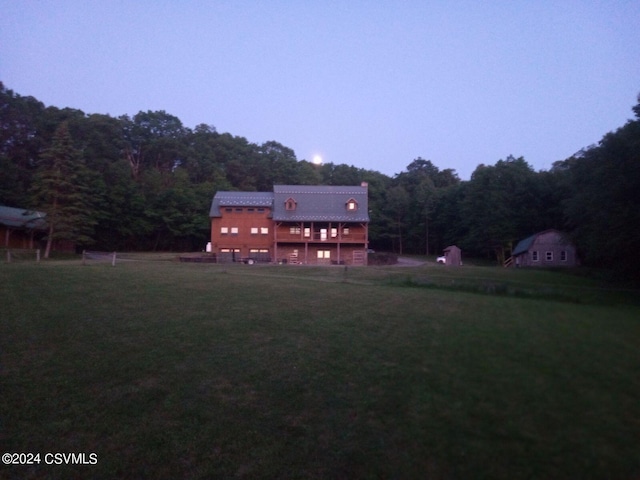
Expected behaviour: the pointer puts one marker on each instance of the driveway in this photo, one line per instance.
(409, 262)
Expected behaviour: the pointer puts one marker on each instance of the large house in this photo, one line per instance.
(293, 224)
(550, 248)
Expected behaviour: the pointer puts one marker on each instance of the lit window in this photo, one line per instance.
(549, 256)
(324, 253)
(224, 230)
(307, 232)
(254, 230)
(534, 255)
(264, 230)
(352, 205)
(234, 230)
(334, 232)
(345, 231)
(294, 230)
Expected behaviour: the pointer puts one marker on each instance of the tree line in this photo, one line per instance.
(145, 182)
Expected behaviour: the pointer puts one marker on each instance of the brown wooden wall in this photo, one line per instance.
(244, 219)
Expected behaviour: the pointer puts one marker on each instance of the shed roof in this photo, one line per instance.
(21, 218)
(240, 199)
(523, 246)
(320, 203)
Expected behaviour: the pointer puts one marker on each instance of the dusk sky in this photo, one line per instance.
(374, 84)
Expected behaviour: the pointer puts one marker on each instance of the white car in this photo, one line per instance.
(442, 259)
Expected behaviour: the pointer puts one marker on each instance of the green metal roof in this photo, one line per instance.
(320, 203)
(21, 218)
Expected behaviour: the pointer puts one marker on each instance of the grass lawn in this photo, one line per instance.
(170, 370)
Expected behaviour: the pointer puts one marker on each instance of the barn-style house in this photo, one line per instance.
(550, 248)
(293, 224)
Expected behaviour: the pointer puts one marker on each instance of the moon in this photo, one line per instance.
(317, 160)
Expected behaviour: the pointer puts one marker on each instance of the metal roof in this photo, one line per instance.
(313, 202)
(240, 199)
(320, 203)
(21, 218)
(523, 246)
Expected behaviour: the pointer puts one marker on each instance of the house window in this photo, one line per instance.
(234, 230)
(323, 234)
(228, 210)
(563, 255)
(307, 232)
(294, 230)
(254, 230)
(345, 231)
(534, 255)
(290, 204)
(238, 210)
(251, 210)
(261, 210)
(264, 230)
(352, 205)
(334, 232)
(324, 253)
(224, 230)
(549, 256)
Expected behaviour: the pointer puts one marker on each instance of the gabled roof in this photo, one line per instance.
(523, 246)
(240, 199)
(320, 203)
(20, 218)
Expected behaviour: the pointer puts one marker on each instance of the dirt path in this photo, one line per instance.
(409, 262)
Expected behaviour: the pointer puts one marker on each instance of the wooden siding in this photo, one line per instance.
(549, 249)
(324, 232)
(17, 238)
(249, 223)
(331, 254)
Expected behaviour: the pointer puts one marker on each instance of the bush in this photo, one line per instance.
(382, 258)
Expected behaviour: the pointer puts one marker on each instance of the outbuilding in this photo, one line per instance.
(550, 248)
(452, 256)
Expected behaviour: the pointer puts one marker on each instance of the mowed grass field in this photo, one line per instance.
(172, 370)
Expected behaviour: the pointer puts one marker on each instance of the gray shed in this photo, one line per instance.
(453, 256)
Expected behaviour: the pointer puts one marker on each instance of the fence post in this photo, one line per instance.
(38, 255)
(113, 261)
(8, 256)
(84, 257)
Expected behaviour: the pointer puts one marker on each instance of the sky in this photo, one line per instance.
(374, 84)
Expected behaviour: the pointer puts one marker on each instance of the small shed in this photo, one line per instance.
(549, 248)
(453, 256)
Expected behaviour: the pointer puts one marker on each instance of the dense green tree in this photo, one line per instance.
(501, 205)
(61, 190)
(152, 140)
(20, 145)
(421, 181)
(603, 208)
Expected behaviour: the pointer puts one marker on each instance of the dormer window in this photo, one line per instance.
(352, 205)
(290, 204)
